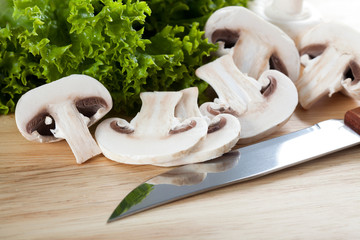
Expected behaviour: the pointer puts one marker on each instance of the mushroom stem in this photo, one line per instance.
(188, 106)
(157, 112)
(234, 93)
(291, 7)
(72, 126)
(251, 55)
(321, 76)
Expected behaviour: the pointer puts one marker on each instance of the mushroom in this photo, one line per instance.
(261, 45)
(330, 56)
(262, 106)
(223, 131)
(154, 135)
(64, 109)
(294, 17)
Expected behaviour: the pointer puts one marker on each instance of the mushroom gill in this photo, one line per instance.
(353, 72)
(228, 36)
(40, 124)
(89, 106)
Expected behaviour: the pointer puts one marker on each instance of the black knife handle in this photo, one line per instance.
(352, 119)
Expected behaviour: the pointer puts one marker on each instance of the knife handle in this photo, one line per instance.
(352, 119)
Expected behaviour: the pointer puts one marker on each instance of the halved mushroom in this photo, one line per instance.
(262, 106)
(294, 17)
(64, 109)
(330, 55)
(261, 45)
(223, 131)
(154, 136)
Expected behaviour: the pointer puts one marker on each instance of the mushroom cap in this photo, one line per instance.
(263, 45)
(155, 135)
(87, 94)
(330, 54)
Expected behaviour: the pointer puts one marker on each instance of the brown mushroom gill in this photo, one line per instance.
(228, 36)
(38, 123)
(121, 129)
(89, 106)
(183, 128)
(217, 111)
(216, 126)
(313, 50)
(353, 72)
(276, 63)
(270, 88)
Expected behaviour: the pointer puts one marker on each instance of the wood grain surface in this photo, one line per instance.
(44, 194)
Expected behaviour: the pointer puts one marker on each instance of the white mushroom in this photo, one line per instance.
(223, 131)
(154, 136)
(261, 45)
(262, 106)
(330, 55)
(294, 17)
(64, 109)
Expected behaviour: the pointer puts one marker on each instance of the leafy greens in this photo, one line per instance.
(130, 46)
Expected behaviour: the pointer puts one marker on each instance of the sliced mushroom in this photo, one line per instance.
(154, 136)
(294, 17)
(330, 55)
(223, 131)
(261, 45)
(264, 104)
(64, 109)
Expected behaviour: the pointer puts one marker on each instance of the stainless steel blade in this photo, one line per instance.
(240, 165)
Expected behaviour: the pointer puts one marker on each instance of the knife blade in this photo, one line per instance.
(243, 164)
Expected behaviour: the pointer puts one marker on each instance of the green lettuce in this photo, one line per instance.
(130, 46)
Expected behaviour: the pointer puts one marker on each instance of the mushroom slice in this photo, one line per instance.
(223, 131)
(269, 101)
(64, 109)
(330, 55)
(261, 45)
(294, 17)
(154, 136)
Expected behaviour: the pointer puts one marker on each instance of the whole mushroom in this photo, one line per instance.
(64, 109)
(261, 45)
(330, 56)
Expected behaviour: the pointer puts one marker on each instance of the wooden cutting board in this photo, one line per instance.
(44, 194)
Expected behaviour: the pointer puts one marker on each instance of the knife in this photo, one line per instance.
(243, 164)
